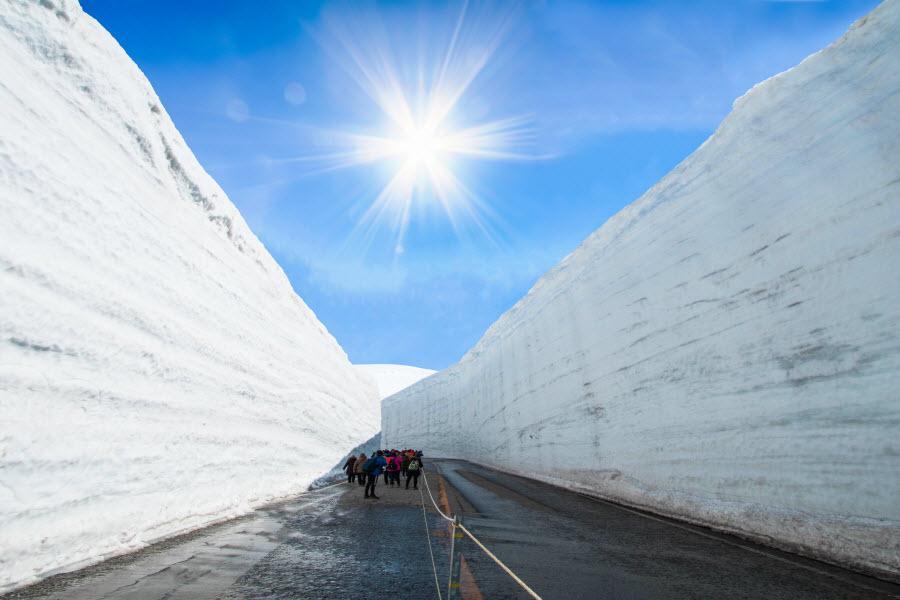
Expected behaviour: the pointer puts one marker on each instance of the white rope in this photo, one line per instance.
(509, 572)
(427, 487)
(437, 585)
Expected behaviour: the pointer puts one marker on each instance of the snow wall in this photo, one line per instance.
(724, 350)
(157, 371)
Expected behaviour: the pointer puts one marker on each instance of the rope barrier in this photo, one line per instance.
(428, 487)
(509, 572)
(437, 585)
(461, 527)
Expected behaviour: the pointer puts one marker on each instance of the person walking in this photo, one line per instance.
(412, 472)
(404, 462)
(358, 469)
(388, 469)
(394, 470)
(373, 470)
(348, 467)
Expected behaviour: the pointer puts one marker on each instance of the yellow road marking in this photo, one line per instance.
(468, 588)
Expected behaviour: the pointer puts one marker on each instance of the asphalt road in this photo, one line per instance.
(565, 545)
(332, 543)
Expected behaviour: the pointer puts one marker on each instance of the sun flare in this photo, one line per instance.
(426, 133)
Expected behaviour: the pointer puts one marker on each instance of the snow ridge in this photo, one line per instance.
(726, 349)
(157, 371)
(393, 378)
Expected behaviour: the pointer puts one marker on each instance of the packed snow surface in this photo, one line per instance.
(393, 378)
(157, 371)
(727, 348)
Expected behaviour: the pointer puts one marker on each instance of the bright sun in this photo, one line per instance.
(420, 147)
(424, 149)
(425, 132)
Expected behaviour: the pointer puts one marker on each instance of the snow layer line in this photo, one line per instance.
(725, 349)
(157, 371)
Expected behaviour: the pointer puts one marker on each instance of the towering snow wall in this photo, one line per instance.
(725, 349)
(157, 372)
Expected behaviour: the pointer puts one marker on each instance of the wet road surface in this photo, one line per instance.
(329, 543)
(332, 543)
(566, 545)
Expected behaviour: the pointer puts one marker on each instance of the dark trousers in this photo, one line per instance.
(414, 475)
(370, 484)
(361, 478)
(351, 476)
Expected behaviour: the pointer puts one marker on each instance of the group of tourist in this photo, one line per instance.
(392, 463)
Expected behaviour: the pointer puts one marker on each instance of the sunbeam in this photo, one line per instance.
(425, 134)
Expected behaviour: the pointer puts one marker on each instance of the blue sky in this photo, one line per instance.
(609, 96)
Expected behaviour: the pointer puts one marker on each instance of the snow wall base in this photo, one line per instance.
(725, 350)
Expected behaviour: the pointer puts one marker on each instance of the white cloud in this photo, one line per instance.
(237, 110)
(294, 93)
(612, 67)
